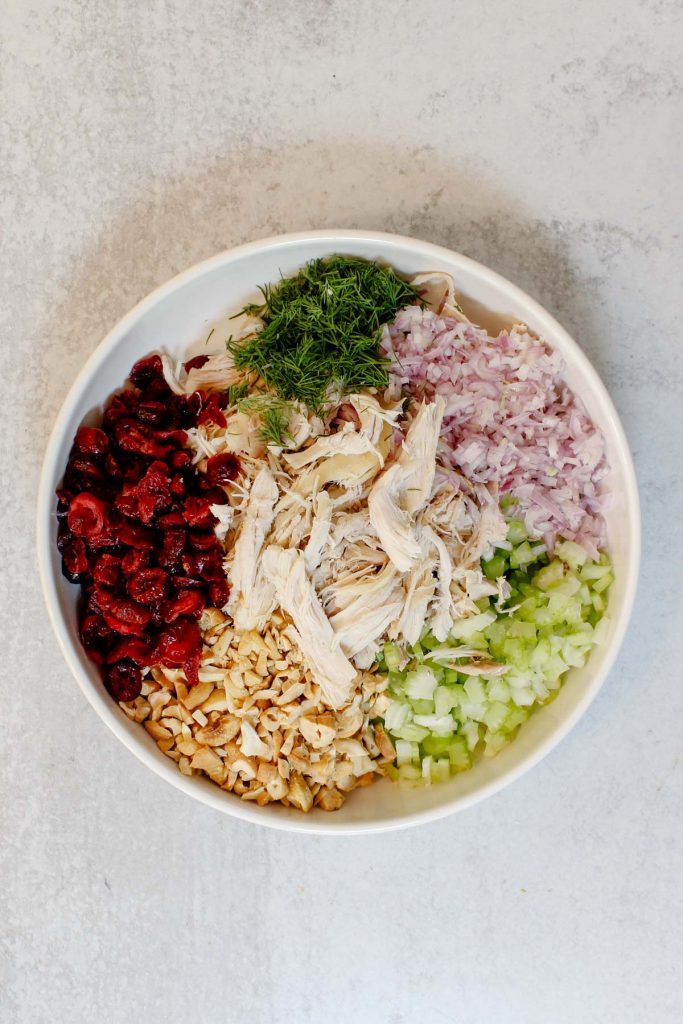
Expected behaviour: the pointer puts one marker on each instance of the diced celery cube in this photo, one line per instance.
(549, 576)
(436, 745)
(458, 754)
(572, 553)
(516, 531)
(602, 584)
(494, 567)
(475, 690)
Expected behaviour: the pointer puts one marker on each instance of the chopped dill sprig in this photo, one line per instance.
(237, 392)
(322, 329)
(274, 422)
(274, 415)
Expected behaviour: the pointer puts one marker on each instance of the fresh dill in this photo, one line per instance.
(237, 392)
(274, 422)
(274, 413)
(322, 329)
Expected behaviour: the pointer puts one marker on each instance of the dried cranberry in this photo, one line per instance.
(95, 636)
(64, 535)
(197, 512)
(202, 540)
(91, 440)
(124, 680)
(212, 413)
(206, 564)
(119, 406)
(179, 459)
(105, 541)
(127, 503)
(213, 495)
(178, 642)
(138, 651)
(188, 603)
(133, 467)
(106, 570)
(175, 436)
(140, 439)
(191, 667)
(172, 547)
(196, 363)
(64, 499)
(133, 561)
(153, 413)
(136, 536)
(189, 408)
(146, 370)
(75, 560)
(127, 617)
(171, 521)
(221, 469)
(158, 391)
(87, 515)
(178, 487)
(153, 492)
(102, 597)
(219, 592)
(149, 586)
(87, 467)
(187, 582)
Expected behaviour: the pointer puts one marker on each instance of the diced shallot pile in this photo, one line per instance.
(509, 420)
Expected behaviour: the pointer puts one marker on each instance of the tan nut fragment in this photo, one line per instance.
(218, 733)
(386, 747)
(299, 793)
(318, 731)
(329, 799)
(206, 760)
(157, 731)
(197, 695)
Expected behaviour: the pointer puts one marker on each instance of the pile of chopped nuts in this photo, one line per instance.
(255, 723)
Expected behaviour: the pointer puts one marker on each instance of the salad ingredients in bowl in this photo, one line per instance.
(363, 540)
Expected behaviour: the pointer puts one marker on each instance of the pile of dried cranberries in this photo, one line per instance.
(136, 530)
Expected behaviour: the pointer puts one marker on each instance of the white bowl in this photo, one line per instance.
(178, 317)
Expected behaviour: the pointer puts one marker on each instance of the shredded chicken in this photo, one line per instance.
(252, 596)
(354, 528)
(286, 571)
(406, 486)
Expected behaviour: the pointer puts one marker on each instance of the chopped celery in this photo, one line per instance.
(494, 567)
(521, 555)
(516, 531)
(549, 575)
(412, 732)
(393, 657)
(437, 744)
(474, 688)
(458, 754)
(445, 699)
(441, 770)
(420, 683)
(465, 629)
(440, 719)
(573, 554)
(603, 583)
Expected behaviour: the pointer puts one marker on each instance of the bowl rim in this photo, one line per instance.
(109, 712)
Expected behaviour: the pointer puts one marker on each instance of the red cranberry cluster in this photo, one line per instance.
(136, 529)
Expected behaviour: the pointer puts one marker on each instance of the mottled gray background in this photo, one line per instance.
(541, 137)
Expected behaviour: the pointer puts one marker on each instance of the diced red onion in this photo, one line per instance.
(510, 419)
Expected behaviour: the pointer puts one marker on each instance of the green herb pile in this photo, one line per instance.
(322, 329)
